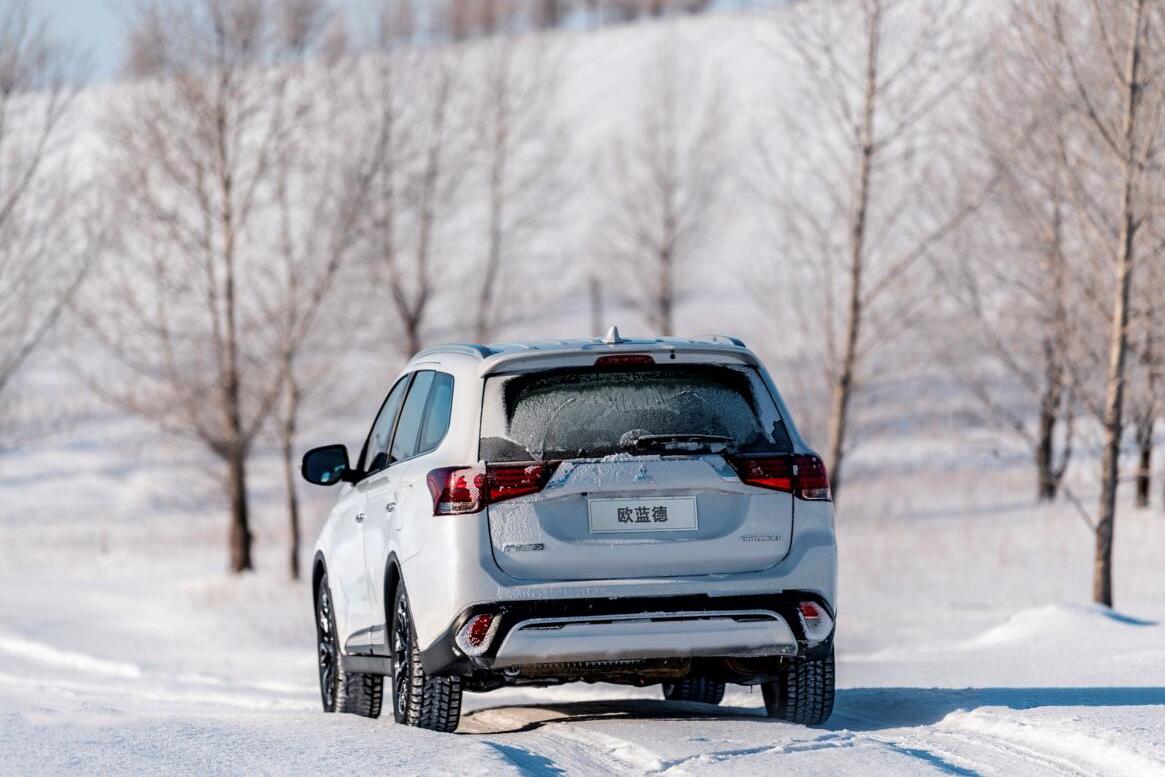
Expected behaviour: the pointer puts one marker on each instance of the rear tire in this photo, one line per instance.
(698, 689)
(419, 699)
(804, 691)
(340, 691)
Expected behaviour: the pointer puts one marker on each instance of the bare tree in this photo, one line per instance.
(1018, 282)
(1106, 61)
(860, 190)
(662, 179)
(1145, 397)
(420, 135)
(322, 179)
(193, 149)
(43, 256)
(522, 149)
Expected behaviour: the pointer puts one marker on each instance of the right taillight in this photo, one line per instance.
(464, 490)
(802, 476)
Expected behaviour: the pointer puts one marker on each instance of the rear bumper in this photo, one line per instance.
(744, 634)
(532, 633)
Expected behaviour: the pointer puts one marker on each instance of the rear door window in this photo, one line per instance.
(666, 410)
(374, 456)
(437, 413)
(412, 415)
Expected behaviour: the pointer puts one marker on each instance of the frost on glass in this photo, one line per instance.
(586, 413)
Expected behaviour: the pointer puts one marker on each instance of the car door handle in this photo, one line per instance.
(359, 517)
(390, 507)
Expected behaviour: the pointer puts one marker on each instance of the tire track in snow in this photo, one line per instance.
(965, 753)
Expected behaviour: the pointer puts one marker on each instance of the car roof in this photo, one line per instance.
(489, 358)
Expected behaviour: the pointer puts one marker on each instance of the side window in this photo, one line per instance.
(404, 442)
(374, 457)
(437, 415)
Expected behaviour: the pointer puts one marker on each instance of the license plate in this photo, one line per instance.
(642, 515)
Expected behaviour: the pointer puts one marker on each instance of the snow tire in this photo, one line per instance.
(804, 691)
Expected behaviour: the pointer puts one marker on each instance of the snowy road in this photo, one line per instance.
(201, 674)
(86, 714)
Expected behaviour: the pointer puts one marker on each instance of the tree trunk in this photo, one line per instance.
(500, 147)
(1118, 344)
(1145, 450)
(288, 432)
(240, 533)
(1048, 478)
(666, 302)
(844, 379)
(596, 293)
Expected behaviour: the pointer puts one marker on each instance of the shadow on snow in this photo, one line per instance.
(856, 709)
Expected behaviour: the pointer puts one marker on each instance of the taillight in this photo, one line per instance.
(463, 490)
(802, 476)
(457, 490)
(509, 480)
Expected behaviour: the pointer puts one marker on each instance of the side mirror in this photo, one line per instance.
(326, 466)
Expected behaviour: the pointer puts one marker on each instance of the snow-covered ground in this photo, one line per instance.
(966, 644)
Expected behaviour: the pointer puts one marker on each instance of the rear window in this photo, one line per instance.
(665, 409)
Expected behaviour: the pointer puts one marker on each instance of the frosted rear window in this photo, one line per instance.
(592, 412)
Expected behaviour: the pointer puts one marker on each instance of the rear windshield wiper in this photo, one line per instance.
(687, 443)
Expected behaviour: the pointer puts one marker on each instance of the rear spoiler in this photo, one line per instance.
(690, 353)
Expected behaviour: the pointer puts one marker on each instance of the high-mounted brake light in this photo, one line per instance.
(802, 476)
(624, 360)
(464, 490)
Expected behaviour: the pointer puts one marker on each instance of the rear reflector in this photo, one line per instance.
(464, 490)
(475, 636)
(802, 476)
(814, 620)
(624, 360)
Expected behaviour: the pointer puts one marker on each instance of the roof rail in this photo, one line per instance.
(722, 340)
(470, 349)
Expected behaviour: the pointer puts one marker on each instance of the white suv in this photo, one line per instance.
(626, 511)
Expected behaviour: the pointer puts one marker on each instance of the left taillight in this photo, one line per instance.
(457, 490)
(802, 476)
(464, 490)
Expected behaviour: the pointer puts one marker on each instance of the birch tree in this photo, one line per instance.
(865, 190)
(1106, 59)
(1018, 283)
(521, 150)
(321, 178)
(192, 153)
(662, 179)
(43, 234)
(419, 131)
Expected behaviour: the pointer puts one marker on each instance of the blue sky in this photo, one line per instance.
(93, 25)
(96, 27)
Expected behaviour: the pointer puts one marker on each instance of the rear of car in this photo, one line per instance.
(629, 511)
(640, 508)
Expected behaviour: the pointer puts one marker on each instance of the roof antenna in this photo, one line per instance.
(613, 337)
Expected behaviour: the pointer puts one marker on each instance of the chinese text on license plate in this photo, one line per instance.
(643, 514)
